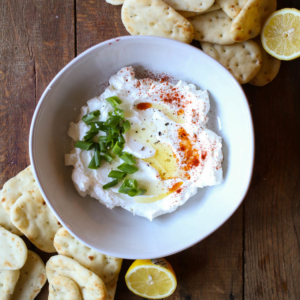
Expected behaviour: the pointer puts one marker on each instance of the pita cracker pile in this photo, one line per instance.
(79, 273)
(226, 23)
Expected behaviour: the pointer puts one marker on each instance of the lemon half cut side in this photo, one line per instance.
(151, 278)
(281, 34)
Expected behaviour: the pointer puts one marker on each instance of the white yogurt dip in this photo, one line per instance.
(175, 152)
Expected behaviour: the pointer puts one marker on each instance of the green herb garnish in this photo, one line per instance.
(110, 184)
(91, 116)
(130, 169)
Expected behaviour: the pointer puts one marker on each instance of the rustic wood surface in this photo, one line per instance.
(255, 255)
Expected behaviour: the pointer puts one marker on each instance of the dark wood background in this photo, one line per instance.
(255, 255)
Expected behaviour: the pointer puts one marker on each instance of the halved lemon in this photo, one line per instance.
(151, 278)
(281, 34)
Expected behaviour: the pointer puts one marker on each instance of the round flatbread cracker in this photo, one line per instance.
(32, 278)
(13, 251)
(248, 23)
(155, 17)
(213, 27)
(90, 285)
(106, 267)
(31, 215)
(6, 223)
(8, 281)
(269, 68)
(242, 60)
(190, 5)
(232, 7)
(189, 14)
(63, 288)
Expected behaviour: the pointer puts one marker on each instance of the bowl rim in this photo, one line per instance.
(138, 38)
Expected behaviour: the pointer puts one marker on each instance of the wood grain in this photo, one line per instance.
(255, 255)
(97, 21)
(37, 40)
(272, 214)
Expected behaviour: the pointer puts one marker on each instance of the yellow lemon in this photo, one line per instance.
(151, 278)
(281, 34)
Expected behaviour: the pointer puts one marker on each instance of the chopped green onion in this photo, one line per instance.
(117, 174)
(121, 139)
(125, 126)
(124, 189)
(97, 156)
(132, 183)
(136, 192)
(119, 112)
(104, 128)
(112, 121)
(117, 148)
(84, 145)
(128, 158)
(90, 116)
(128, 168)
(106, 157)
(115, 131)
(90, 135)
(103, 147)
(103, 138)
(95, 126)
(110, 184)
(114, 101)
(127, 186)
(92, 164)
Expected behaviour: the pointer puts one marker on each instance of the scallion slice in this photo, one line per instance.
(136, 192)
(90, 116)
(103, 138)
(128, 168)
(103, 147)
(92, 164)
(84, 145)
(114, 101)
(113, 121)
(97, 156)
(95, 126)
(129, 187)
(132, 183)
(121, 139)
(117, 174)
(117, 148)
(119, 112)
(90, 135)
(128, 158)
(106, 157)
(115, 131)
(126, 126)
(110, 184)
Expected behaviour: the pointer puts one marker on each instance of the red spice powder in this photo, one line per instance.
(203, 155)
(191, 155)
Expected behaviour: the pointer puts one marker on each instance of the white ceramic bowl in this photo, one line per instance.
(117, 232)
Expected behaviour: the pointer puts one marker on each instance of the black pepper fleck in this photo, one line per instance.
(167, 124)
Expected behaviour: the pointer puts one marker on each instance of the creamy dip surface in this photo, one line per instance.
(175, 152)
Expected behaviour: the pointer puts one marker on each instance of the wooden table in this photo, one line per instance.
(255, 255)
